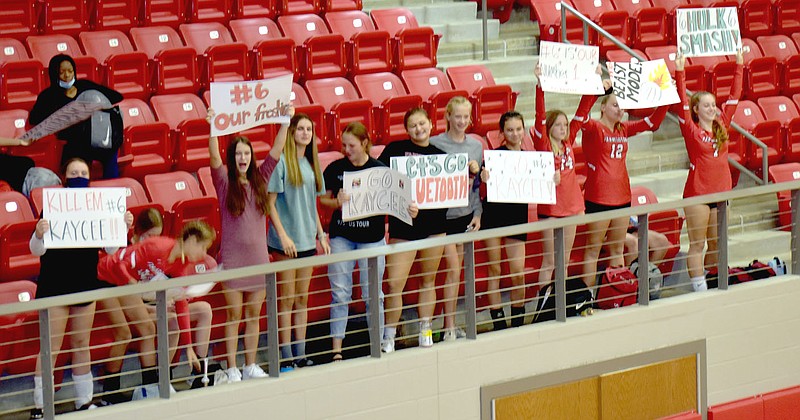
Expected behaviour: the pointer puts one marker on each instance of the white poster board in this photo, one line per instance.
(376, 191)
(437, 181)
(708, 31)
(520, 177)
(242, 105)
(570, 68)
(85, 217)
(643, 84)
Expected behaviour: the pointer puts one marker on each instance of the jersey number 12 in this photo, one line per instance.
(616, 151)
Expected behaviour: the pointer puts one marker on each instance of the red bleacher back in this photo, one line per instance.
(69, 17)
(340, 98)
(390, 102)
(146, 140)
(320, 54)
(114, 14)
(368, 49)
(185, 114)
(788, 55)
(220, 58)
(756, 18)
(17, 223)
(648, 25)
(303, 105)
(786, 112)
(749, 116)
(19, 19)
(271, 54)
(210, 10)
(436, 91)
(21, 78)
(414, 46)
(244, 9)
(760, 71)
(122, 67)
(164, 12)
(489, 100)
(173, 66)
(787, 16)
(44, 47)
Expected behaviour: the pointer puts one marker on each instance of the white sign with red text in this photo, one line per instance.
(437, 181)
(85, 217)
(242, 105)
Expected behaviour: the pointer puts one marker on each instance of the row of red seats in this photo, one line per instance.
(641, 24)
(775, 120)
(159, 61)
(22, 18)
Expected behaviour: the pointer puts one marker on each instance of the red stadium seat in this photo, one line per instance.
(783, 110)
(756, 18)
(299, 7)
(13, 292)
(548, 14)
(17, 224)
(621, 56)
(164, 12)
(340, 5)
(368, 49)
(390, 101)
(19, 19)
(244, 9)
(173, 66)
(784, 172)
(114, 14)
(695, 74)
(787, 16)
(271, 53)
(320, 54)
(414, 46)
(760, 72)
(325, 213)
(670, 6)
(315, 111)
(45, 152)
(784, 50)
(220, 58)
(615, 22)
(688, 415)
(206, 181)
(122, 68)
(748, 115)
(209, 10)
(136, 199)
(20, 76)
(185, 114)
(719, 74)
(648, 25)
(489, 101)
(339, 97)
(436, 91)
(44, 47)
(668, 222)
(179, 193)
(68, 17)
(146, 140)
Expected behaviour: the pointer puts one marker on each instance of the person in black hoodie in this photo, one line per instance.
(64, 88)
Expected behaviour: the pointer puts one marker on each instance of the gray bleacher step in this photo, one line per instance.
(504, 67)
(666, 185)
(450, 12)
(472, 30)
(497, 48)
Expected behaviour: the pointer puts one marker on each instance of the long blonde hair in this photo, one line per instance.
(550, 119)
(290, 154)
(717, 129)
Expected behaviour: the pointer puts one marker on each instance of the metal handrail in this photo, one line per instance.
(588, 23)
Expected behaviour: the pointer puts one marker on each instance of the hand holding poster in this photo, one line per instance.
(438, 181)
(247, 104)
(643, 84)
(708, 31)
(85, 217)
(570, 68)
(377, 191)
(520, 177)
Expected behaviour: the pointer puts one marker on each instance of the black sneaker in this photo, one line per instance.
(301, 363)
(37, 413)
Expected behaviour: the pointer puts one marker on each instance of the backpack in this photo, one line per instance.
(655, 276)
(618, 287)
(579, 299)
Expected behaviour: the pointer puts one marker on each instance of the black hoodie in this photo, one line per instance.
(54, 97)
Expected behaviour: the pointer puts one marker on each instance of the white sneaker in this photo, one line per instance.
(234, 375)
(253, 371)
(425, 334)
(387, 345)
(453, 334)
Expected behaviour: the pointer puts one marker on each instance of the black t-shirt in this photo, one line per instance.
(367, 230)
(428, 222)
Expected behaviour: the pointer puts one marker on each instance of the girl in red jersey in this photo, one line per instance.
(706, 135)
(605, 145)
(553, 133)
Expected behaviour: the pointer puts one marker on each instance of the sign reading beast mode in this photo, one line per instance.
(708, 32)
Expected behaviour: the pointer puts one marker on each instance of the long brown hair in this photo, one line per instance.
(717, 129)
(290, 154)
(550, 119)
(235, 200)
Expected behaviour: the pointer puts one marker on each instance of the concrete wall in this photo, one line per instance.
(752, 333)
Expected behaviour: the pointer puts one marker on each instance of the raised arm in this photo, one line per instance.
(215, 159)
(729, 107)
(280, 138)
(540, 115)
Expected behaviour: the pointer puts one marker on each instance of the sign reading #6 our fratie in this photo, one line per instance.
(438, 181)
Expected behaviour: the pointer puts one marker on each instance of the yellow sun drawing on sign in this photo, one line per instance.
(660, 76)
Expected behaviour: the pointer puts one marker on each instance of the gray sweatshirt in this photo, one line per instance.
(474, 150)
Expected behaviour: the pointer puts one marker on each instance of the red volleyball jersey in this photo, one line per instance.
(708, 163)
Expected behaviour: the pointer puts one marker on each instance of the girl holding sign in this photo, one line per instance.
(428, 223)
(705, 132)
(81, 264)
(459, 219)
(293, 191)
(495, 215)
(241, 189)
(605, 145)
(553, 132)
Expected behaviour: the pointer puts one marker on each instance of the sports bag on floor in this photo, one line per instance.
(618, 287)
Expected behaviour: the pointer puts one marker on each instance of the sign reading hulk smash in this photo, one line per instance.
(708, 32)
(437, 181)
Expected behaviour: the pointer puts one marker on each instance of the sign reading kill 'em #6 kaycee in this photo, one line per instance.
(570, 68)
(85, 217)
(376, 191)
(642, 84)
(708, 31)
(247, 104)
(520, 177)
(437, 181)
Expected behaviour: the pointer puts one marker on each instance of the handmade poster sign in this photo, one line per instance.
(708, 31)
(520, 177)
(642, 84)
(85, 217)
(570, 68)
(242, 105)
(437, 181)
(376, 191)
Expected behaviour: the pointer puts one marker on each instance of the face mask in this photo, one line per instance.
(78, 182)
(66, 85)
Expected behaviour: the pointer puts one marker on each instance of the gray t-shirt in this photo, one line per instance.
(474, 149)
(296, 206)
